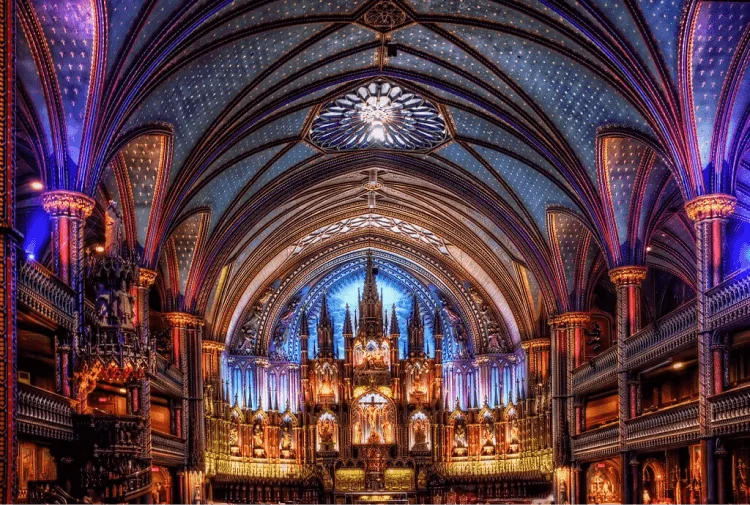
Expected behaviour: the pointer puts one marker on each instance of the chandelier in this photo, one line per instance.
(379, 115)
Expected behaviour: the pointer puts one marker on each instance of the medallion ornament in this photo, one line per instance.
(382, 115)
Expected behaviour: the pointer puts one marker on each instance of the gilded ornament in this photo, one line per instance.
(627, 275)
(61, 203)
(716, 206)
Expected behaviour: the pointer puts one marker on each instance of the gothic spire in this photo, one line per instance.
(394, 321)
(348, 330)
(304, 325)
(437, 323)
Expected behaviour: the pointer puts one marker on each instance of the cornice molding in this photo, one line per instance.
(62, 203)
(628, 275)
(182, 319)
(707, 207)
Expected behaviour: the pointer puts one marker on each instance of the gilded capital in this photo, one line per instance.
(61, 203)
(146, 277)
(570, 319)
(213, 345)
(716, 206)
(182, 319)
(628, 275)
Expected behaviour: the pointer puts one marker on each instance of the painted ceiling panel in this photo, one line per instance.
(220, 192)
(455, 153)
(718, 30)
(663, 19)
(160, 14)
(535, 190)
(123, 16)
(623, 157)
(185, 239)
(575, 99)
(654, 185)
(359, 61)
(195, 96)
(473, 127)
(143, 161)
(286, 126)
(295, 155)
(567, 234)
(276, 11)
(69, 30)
(344, 39)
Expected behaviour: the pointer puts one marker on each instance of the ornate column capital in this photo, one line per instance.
(213, 345)
(146, 277)
(716, 206)
(62, 203)
(182, 319)
(570, 319)
(627, 275)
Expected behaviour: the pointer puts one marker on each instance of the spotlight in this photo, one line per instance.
(123, 390)
(37, 185)
(30, 256)
(678, 366)
(648, 248)
(99, 248)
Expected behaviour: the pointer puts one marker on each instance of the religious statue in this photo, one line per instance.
(460, 442)
(234, 440)
(357, 432)
(287, 446)
(112, 230)
(493, 342)
(419, 430)
(514, 440)
(387, 433)
(124, 305)
(258, 445)
(488, 438)
(325, 431)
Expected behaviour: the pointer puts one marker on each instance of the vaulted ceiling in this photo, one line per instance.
(575, 131)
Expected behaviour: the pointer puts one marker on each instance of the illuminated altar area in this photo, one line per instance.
(373, 385)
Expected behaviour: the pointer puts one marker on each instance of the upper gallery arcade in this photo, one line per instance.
(390, 251)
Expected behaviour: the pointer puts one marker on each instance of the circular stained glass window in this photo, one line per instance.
(379, 115)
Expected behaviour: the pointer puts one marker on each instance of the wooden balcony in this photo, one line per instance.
(598, 443)
(670, 425)
(44, 414)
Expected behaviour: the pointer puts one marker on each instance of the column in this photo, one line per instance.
(9, 239)
(182, 326)
(68, 211)
(146, 278)
(709, 214)
(627, 280)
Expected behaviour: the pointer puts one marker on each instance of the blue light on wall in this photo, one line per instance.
(35, 226)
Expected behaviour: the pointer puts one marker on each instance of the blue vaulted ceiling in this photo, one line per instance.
(526, 89)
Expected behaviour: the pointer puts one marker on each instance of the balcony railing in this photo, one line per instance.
(41, 291)
(596, 372)
(730, 411)
(729, 302)
(167, 449)
(670, 334)
(42, 413)
(678, 423)
(597, 443)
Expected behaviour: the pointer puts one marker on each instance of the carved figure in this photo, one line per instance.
(112, 230)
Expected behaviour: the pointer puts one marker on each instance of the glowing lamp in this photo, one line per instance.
(37, 185)
(99, 248)
(679, 365)
(30, 256)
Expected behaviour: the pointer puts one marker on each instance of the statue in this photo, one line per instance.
(419, 430)
(112, 230)
(258, 446)
(387, 434)
(325, 431)
(124, 305)
(287, 446)
(493, 342)
(460, 442)
(514, 443)
(357, 432)
(488, 437)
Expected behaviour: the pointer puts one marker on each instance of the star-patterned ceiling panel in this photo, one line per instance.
(569, 237)
(473, 127)
(659, 186)
(144, 161)
(575, 99)
(185, 239)
(623, 159)
(534, 189)
(123, 15)
(663, 19)
(71, 37)
(219, 193)
(719, 27)
(194, 97)
(286, 126)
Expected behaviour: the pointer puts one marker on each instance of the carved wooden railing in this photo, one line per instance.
(668, 335)
(729, 302)
(675, 424)
(598, 371)
(42, 413)
(41, 291)
(730, 411)
(238, 468)
(595, 444)
(47, 491)
(167, 449)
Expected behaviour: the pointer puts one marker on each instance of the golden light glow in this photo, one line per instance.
(37, 185)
